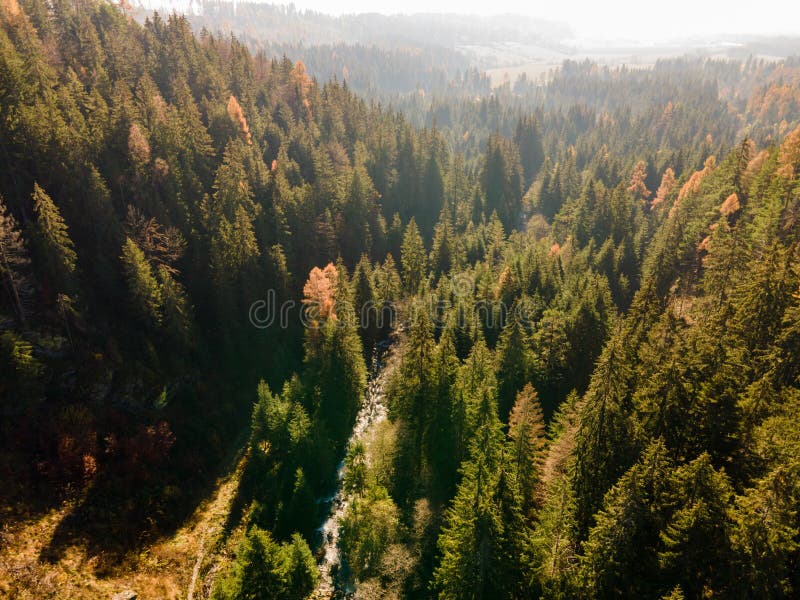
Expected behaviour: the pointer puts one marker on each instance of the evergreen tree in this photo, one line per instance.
(53, 244)
(528, 139)
(442, 258)
(440, 435)
(144, 290)
(471, 541)
(368, 311)
(606, 439)
(513, 365)
(413, 259)
(432, 194)
(501, 181)
(233, 247)
(625, 527)
(527, 432)
(177, 313)
(412, 387)
(265, 569)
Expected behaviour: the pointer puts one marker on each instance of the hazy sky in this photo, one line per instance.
(604, 19)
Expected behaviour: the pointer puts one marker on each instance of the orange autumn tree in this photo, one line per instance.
(319, 292)
(637, 186)
(11, 7)
(754, 166)
(667, 185)
(301, 84)
(730, 206)
(138, 147)
(789, 155)
(693, 185)
(237, 116)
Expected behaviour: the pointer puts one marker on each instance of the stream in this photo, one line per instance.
(373, 411)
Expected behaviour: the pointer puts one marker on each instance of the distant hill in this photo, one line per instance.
(286, 24)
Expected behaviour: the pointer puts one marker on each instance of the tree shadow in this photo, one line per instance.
(24, 496)
(127, 509)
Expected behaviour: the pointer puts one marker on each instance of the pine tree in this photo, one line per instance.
(606, 439)
(442, 252)
(440, 441)
(764, 537)
(501, 181)
(550, 353)
(551, 196)
(365, 303)
(528, 139)
(413, 259)
(53, 244)
(615, 560)
(144, 290)
(405, 191)
(232, 186)
(696, 550)
(412, 388)
(265, 569)
(471, 563)
(353, 230)
(513, 365)
(233, 247)
(432, 195)
(527, 432)
(389, 286)
(553, 539)
(177, 313)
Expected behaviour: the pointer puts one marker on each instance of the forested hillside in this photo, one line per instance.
(589, 290)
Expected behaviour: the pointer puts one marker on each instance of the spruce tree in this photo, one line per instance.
(513, 365)
(528, 138)
(413, 259)
(526, 429)
(501, 182)
(53, 243)
(143, 287)
(471, 542)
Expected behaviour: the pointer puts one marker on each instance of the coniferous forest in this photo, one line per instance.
(533, 341)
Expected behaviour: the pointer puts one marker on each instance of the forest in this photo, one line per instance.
(574, 304)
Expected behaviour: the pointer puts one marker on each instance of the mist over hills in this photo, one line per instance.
(432, 52)
(286, 24)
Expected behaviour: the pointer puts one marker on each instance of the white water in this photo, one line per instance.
(372, 412)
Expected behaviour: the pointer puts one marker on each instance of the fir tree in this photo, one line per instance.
(527, 432)
(144, 290)
(528, 139)
(53, 244)
(470, 543)
(501, 181)
(513, 365)
(413, 259)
